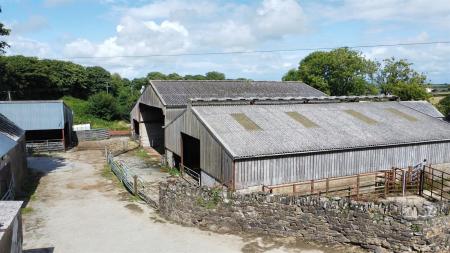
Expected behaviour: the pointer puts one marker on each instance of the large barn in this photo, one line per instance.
(163, 101)
(13, 159)
(251, 143)
(47, 123)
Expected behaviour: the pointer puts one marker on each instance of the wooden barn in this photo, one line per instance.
(47, 123)
(163, 101)
(266, 142)
(13, 158)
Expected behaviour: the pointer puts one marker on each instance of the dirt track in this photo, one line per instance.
(79, 208)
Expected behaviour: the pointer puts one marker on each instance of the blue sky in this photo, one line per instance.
(66, 29)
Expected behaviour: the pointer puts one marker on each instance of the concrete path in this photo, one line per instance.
(78, 207)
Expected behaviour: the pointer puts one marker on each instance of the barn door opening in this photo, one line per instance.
(191, 156)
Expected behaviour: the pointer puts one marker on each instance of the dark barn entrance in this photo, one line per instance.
(153, 119)
(191, 155)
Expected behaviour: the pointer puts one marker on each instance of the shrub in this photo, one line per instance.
(103, 105)
(444, 106)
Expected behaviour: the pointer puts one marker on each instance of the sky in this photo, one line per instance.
(73, 29)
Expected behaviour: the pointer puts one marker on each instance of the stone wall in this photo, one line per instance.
(385, 226)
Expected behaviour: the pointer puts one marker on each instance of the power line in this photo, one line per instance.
(259, 51)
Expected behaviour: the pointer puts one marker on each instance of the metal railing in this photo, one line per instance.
(418, 180)
(191, 173)
(436, 184)
(9, 194)
(45, 145)
(132, 182)
(92, 135)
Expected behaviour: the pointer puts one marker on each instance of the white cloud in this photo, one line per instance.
(25, 46)
(175, 26)
(436, 11)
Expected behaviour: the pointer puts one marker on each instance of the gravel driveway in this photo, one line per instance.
(78, 208)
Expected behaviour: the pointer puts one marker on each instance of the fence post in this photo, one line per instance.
(386, 180)
(327, 187)
(442, 183)
(432, 181)
(135, 185)
(312, 186)
(357, 187)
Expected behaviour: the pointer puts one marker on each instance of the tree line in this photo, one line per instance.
(344, 72)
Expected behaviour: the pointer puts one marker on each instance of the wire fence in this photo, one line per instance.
(132, 182)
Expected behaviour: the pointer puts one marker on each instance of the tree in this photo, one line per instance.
(214, 75)
(398, 78)
(98, 80)
(156, 76)
(339, 72)
(103, 105)
(3, 32)
(174, 76)
(291, 75)
(444, 106)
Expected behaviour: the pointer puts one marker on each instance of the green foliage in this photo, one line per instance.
(291, 75)
(339, 72)
(81, 115)
(3, 32)
(214, 75)
(213, 199)
(444, 106)
(174, 172)
(398, 78)
(103, 105)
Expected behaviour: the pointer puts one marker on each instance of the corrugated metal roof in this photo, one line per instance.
(336, 129)
(35, 115)
(9, 134)
(423, 107)
(178, 93)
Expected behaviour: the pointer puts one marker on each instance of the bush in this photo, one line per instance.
(103, 105)
(444, 106)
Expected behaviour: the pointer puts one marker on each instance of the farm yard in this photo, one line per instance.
(79, 206)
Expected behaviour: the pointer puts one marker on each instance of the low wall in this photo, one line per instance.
(390, 226)
(10, 227)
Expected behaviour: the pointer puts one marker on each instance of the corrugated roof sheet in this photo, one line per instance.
(178, 93)
(35, 115)
(336, 129)
(9, 134)
(423, 107)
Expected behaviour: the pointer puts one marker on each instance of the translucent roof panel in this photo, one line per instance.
(401, 114)
(302, 119)
(245, 121)
(361, 117)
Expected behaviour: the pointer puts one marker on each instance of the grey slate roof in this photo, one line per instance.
(178, 93)
(9, 134)
(35, 115)
(423, 107)
(336, 129)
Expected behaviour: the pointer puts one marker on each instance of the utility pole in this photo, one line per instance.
(9, 96)
(107, 88)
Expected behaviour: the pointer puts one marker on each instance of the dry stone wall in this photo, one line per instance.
(380, 227)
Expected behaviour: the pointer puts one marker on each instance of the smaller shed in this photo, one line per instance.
(13, 160)
(47, 124)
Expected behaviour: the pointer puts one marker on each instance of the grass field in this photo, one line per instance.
(80, 116)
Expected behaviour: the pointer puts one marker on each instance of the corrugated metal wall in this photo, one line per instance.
(289, 169)
(213, 159)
